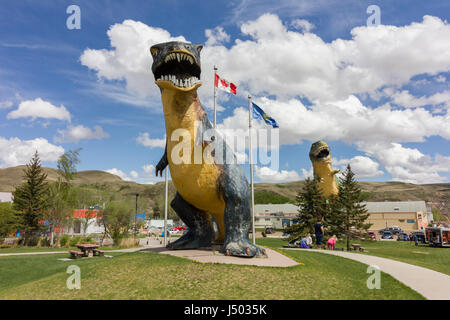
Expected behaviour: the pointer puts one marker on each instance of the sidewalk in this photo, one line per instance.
(431, 284)
(273, 258)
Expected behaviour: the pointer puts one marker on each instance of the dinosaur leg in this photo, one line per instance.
(237, 220)
(200, 232)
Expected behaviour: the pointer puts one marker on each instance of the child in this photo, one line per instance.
(331, 242)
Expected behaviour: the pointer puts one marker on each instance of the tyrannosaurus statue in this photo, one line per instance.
(209, 187)
(321, 160)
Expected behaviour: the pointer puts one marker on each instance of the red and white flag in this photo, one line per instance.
(224, 84)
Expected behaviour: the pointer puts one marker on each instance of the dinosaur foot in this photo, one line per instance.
(189, 241)
(242, 249)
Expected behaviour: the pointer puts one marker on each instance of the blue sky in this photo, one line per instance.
(378, 95)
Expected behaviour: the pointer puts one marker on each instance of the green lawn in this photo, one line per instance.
(24, 249)
(437, 259)
(423, 255)
(146, 275)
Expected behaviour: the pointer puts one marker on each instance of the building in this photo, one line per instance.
(6, 197)
(277, 216)
(408, 215)
(85, 222)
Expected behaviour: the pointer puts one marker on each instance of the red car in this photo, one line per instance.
(180, 228)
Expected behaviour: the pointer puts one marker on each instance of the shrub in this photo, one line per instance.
(64, 240)
(74, 241)
(45, 242)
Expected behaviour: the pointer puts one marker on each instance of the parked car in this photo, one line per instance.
(387, 235)
(173, 231)
(420, 236)
(402, 237)
(383, 230)
(395, 229)
(371, 235)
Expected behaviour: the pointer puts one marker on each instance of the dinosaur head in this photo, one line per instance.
(320, 151)
(176, 65)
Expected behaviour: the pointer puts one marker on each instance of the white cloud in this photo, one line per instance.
(363, 167)
(80, 132)
(407, 100)
(216, 36)
(119, 173)
(346, 120)
(407, 164)
(5, 104)
(130, 57)
(14, 152)
(148, 175)
(283, 62)
(288, 63)
(146, 141)
(302, 24)
(266, 174)
(149, 169)
(308, 173)
(39, 108)
(134, 174)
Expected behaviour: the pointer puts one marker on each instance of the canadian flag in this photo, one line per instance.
(224, 84)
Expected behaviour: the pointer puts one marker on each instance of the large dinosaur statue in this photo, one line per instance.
(203, 188)
(321, 160)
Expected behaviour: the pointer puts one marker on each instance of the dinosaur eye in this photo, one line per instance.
(188, 46)
(154, 51)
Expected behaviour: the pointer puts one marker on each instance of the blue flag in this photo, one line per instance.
(259, 114)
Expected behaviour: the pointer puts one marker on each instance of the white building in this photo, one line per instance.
(85, 222)
(277, 216)
(6, 197)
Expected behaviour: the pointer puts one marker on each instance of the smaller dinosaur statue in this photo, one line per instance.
(321, 160)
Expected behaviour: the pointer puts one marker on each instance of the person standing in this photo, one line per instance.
(318, 230)
(416, 239)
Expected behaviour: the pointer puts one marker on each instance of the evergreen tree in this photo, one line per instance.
(349, 214)
(31, 198)
(312, 206)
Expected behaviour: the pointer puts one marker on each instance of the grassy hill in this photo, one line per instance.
(264, 192)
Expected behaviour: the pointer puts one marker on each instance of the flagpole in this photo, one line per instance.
(166, 194)
(215, 94)
(250, 107)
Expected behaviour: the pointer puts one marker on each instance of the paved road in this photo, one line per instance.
(431, 284)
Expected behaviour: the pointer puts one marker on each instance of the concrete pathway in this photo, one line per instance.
(431, 284)
(273, 259)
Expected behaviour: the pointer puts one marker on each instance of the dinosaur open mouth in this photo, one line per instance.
(323, 154)
(180, 68)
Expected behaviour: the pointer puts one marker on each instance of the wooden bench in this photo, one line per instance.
(98, 252)
(76, 254)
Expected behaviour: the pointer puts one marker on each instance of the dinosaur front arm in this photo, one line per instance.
(162, 164)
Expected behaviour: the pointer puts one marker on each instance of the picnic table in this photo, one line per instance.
(357, 247)
(89, 249)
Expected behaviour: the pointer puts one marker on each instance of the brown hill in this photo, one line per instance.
(437, 194)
